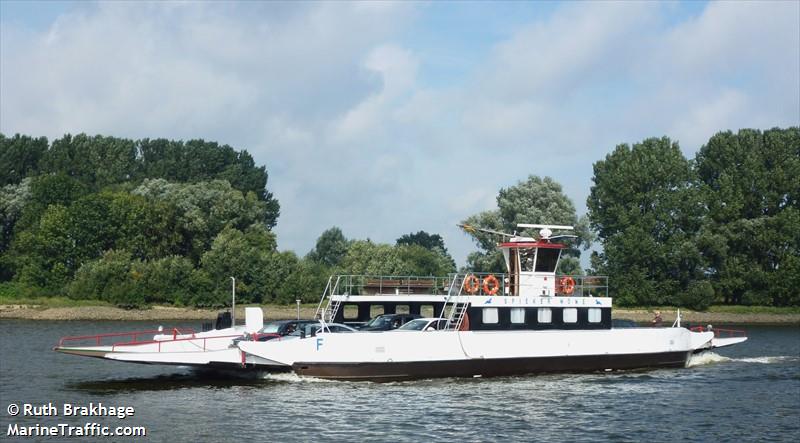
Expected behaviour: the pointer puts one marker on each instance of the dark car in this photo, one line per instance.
(282, 328)
(387, 322)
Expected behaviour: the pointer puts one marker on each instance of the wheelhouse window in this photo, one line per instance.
(547, 260)
(544, 315)
(595, 315)
(526, 259)
(517, 315)
(570, 315)
(490, 315)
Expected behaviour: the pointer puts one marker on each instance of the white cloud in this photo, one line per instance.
(334, 98)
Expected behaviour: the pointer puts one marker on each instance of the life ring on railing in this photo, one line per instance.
(471, 284)
(567, 285)
(490, 285)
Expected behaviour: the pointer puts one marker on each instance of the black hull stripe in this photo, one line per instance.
(392, 371)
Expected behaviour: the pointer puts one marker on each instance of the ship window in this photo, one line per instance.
(547, 260)
(517, 315)
(594, 315)
(544, 315)
(376, 310)
(350, 312)
(526, 259)
(490, 315)
(570, 315)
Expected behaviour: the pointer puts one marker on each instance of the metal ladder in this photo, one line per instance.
(456, 315)
(333, 309)
(328, 313)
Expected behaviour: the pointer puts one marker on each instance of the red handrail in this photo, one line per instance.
(135, 334)
(146, 342)
(720, 332)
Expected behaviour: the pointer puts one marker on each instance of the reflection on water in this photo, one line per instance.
(168, 382)
(748, 392)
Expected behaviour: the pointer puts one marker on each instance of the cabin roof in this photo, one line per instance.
(532, 244)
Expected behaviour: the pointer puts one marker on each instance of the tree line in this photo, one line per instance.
(723, 227)
(135, 222)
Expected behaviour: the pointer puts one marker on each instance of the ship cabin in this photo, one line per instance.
(529, 296)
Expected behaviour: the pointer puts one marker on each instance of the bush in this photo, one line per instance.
(21, 291)
(698, 296)
(306, 283)
(97, 279)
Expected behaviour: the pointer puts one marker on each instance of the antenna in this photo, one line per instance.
(528, 225)
(470, 228)
(545, 231)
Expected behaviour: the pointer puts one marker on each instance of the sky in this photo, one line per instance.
(387, 118)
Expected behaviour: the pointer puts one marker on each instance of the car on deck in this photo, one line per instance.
(388, 322)
(424, 324)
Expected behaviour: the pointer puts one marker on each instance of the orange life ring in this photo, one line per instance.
(471, 284)
(490, 285)
(567, 285)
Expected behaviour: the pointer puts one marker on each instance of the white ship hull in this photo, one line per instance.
(405, 355)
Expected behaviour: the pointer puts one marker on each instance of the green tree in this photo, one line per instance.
(536, 201)
(306, 282)
(19, 157)
(199, 160)
(331, 247)
(95, 161)
(167, 280)
(247, 256)
(431, 242)
(751, 188)
(422, 238)
(44, 256)
(13, 199)
(110, 278)
(424, 261)
(280, 268)
(204, 209)
(46, 190)
(367, 258)
(646, 209)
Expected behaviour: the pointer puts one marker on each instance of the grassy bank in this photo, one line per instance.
(61, 308)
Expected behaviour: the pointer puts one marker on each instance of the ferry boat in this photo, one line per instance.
(526, 321)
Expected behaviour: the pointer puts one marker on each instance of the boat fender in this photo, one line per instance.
(491, 285)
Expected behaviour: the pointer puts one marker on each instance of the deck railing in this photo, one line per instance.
(391, 284)
(108, 339)
(720, 332)
(474, 283)
(200, 343)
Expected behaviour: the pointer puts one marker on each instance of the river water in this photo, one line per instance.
(750, 392)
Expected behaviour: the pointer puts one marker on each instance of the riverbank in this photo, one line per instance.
(278, 312)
